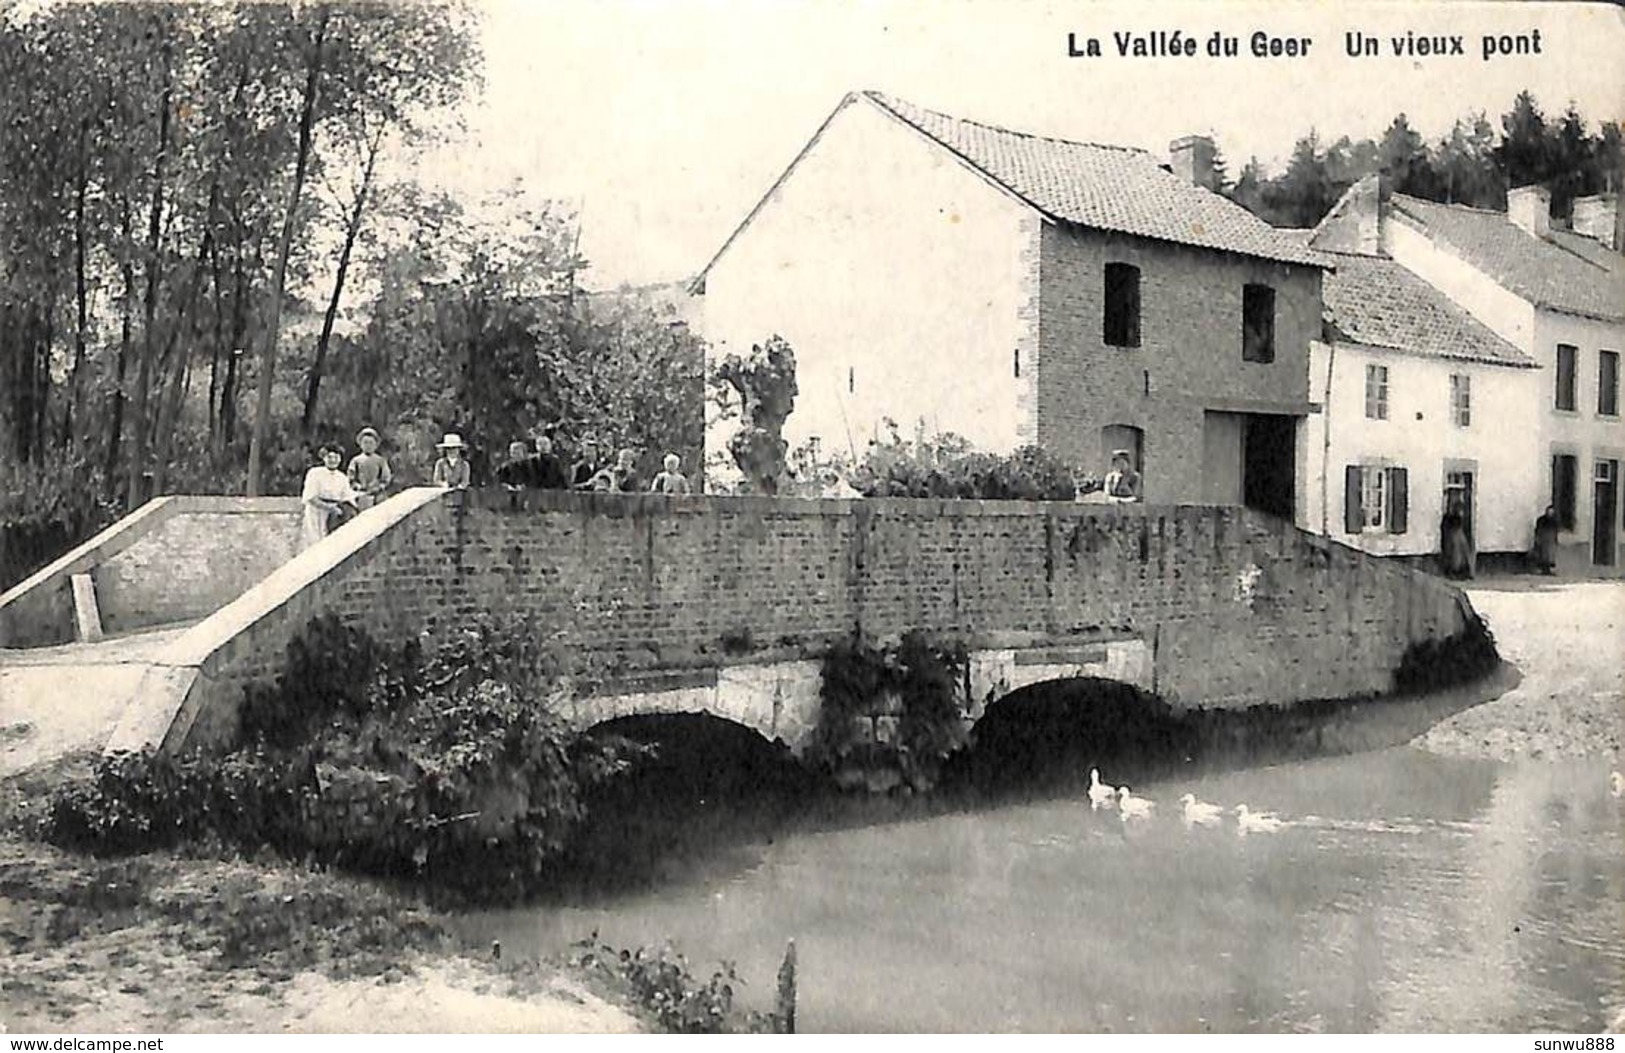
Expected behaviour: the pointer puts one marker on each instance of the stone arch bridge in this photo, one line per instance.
(145, 636)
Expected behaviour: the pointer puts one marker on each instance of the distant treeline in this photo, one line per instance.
(1474, 165)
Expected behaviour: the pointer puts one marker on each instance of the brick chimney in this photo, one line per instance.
(1530, 209)
(1191, 158)
(1598, 217)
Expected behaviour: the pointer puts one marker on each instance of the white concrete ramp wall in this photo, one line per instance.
(174, 559)
(246, 640)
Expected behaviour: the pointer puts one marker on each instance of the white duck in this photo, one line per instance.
(1249, 822)
(1200, 813)
(1132, 807)
(1616, 784)
(1100, 795)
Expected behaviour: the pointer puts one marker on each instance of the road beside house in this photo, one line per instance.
(1565, 638)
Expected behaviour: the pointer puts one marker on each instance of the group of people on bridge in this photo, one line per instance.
(332, 494)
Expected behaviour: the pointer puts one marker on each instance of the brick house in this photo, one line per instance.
(1557, 295)
(1415, 401)
(952, 276)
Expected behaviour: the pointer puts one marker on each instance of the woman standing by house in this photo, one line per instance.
(326, 493)
(1456, 551)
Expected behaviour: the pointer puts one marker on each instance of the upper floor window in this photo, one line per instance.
(1120, 326)
(1461, 399)
(1608, 383)
(1376, 392)
(1257, 323)
(1566, 355)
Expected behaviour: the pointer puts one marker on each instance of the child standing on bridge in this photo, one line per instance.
(369, 472)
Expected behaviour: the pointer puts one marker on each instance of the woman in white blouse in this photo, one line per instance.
(327, 491)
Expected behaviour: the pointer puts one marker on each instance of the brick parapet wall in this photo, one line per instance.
(173, 560)
(1237, 609)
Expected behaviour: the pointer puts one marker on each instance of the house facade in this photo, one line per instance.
(1415, 401)
(1559, 296)
(951, 276)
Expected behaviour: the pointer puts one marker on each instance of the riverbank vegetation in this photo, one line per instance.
(443, 762)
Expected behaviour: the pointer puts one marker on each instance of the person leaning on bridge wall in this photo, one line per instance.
(326, 494)
(1123, 483)
(369, 472)
(587, 468)
(451, 470)
(671, 480)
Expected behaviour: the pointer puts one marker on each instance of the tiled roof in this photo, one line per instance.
(1112, 188)
(1374, 301)
(1565, 272)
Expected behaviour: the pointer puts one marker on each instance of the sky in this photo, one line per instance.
(665, 122)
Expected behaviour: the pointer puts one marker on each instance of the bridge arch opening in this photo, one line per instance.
(706, 789)
(1049, 734)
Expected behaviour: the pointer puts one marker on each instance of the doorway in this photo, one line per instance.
(1604, 507)
(1268, 455)
(1459, 486)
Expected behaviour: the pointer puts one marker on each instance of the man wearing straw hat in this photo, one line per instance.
(1122, 482)
(369, 472)
(451, 470)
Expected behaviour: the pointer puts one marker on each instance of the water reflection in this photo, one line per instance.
(1407, 892)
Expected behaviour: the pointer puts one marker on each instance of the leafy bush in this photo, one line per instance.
(660, 983)
(448, 763)
(947, 466)
(915, 682)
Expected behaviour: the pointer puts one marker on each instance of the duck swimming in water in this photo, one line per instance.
(1100, 795)
(1132, 807)
(1200, 813)
(1250, 822)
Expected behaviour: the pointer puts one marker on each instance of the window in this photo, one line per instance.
(1565, 376)
(1565, 473)
(1016, 361)
(1121, 325)
(1608, 383)
(1257, 323)
(1376, 392)
(1376, 499)
(1461, 400)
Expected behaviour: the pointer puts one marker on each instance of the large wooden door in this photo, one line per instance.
(1604, 512)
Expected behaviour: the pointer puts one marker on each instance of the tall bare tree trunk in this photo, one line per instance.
(115, 426)
(81, 297)
(143, 383)
(262, 405)
(351, 230)
(180, 353)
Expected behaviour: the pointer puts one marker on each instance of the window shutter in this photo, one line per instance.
(1399, 501)
(1353, 517)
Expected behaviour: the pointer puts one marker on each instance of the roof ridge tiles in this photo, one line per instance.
(891, 102)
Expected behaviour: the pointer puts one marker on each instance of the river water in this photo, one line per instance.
(1403, 892)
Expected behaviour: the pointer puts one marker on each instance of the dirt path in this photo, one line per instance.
(1568, 640)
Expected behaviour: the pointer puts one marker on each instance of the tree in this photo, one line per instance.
(307, 117)
(764, 383)
(1403, 160)
(1465, 165)
(1523, 155)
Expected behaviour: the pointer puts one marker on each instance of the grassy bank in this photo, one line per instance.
(181, 942)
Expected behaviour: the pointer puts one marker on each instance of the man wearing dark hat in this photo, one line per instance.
(369, 472)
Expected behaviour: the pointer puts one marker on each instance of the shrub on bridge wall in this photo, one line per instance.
(947, 466)
(890, 715)
(446, 764)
